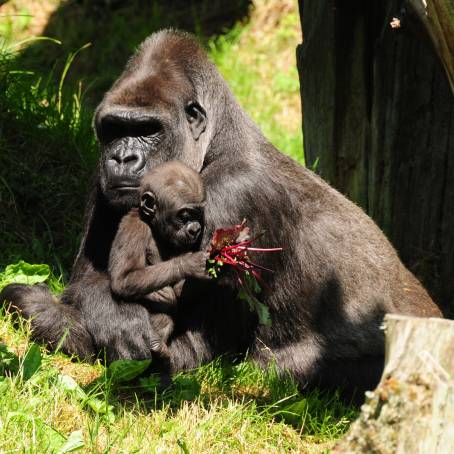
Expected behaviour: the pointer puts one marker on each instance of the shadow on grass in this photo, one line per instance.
(47, 148)
(266, 394)
(115, 29)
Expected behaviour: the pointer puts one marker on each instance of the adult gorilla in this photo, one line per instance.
(334, 280)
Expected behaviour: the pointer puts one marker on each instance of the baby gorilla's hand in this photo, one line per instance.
(195, 265)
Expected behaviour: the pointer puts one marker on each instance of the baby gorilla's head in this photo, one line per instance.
(172, 197)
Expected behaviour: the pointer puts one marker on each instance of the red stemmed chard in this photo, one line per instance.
(230, 246)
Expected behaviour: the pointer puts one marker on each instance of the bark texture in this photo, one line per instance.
(379, 120)
(412, 409)
(437, 16)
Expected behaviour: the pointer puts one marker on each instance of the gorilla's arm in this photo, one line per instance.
(132, 279)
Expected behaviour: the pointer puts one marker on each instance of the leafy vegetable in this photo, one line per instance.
(125, 370)
(150, 383)
(9, 361)
(295, 413)
(53, 438)
(230, 246)
(74, 442)
(185, 388)
(69, 385)
(24, 273)
(32, 362)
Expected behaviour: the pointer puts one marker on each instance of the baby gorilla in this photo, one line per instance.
(153, 250)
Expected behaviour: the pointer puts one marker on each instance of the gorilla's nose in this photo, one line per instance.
(125, 161)
(194, 229)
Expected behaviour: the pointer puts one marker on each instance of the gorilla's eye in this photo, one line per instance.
(148, 203)
(119, 124)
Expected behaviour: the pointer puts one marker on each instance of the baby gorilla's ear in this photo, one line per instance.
(148, 204)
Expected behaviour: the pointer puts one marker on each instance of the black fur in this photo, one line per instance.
(334, 280)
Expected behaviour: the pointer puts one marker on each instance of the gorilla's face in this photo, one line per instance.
(146, 118)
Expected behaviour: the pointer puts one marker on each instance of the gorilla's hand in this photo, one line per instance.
(165, 295)
(194, 264)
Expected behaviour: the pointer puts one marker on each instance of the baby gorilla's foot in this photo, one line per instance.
(161, 349)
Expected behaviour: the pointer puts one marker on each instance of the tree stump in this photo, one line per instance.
(437, 16)
(412, 409)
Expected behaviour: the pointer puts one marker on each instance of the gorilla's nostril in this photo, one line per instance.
(130, 158)
(123, 158)
(114, 160)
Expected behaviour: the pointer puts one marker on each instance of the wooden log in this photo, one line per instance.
(412, 409)
(437, 17)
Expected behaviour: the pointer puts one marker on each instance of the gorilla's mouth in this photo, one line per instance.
(124, 185)
(125, 188)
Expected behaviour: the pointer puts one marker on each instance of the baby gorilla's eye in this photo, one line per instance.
(186, 215)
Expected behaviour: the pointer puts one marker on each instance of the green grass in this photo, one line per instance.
(47, 147)
(219, 407)
(48, 155)
(48, 401)
(269, 95)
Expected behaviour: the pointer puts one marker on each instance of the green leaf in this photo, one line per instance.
(74, 442)
(185, 387)
(69, 385)
(182, 444)
(52, 437)
(151, 382)
(125, 370)
(263, 313)
(32, 362)
(101, 407)
(25, 273)
(9, 361)
(252, 283)
(295, 413)
(5, 384)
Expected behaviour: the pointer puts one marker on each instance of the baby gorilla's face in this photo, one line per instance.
(180, 227)
(186, 224)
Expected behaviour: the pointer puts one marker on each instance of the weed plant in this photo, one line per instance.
(47, 156)
(50, 403)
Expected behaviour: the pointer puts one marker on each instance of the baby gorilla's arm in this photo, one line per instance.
(132, 279)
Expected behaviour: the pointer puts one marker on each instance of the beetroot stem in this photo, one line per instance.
(234, 246)
(255, 265)
(257, 249)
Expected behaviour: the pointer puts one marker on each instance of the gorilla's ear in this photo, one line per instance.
(197, 119)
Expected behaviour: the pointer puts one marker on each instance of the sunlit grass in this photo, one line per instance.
(258, 62)
(219, 407)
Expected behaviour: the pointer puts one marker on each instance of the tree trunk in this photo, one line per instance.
(379, 120)
(412, 409)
